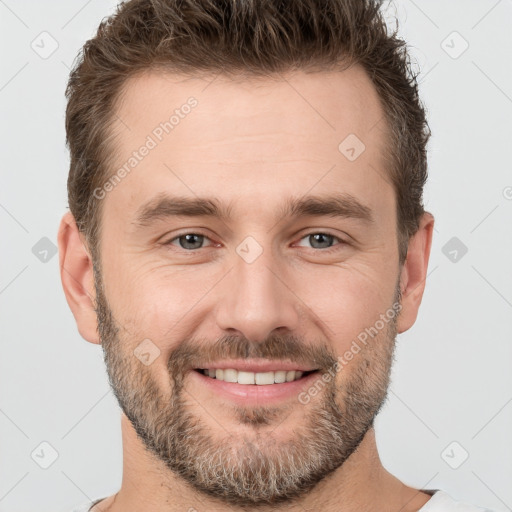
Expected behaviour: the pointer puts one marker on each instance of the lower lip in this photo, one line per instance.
(252, 394)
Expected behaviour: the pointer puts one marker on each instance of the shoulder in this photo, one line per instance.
(443, 502)
(86, 507)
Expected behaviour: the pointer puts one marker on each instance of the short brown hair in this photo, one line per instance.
(252, 38)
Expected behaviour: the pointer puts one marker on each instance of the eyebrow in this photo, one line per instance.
(165, 206)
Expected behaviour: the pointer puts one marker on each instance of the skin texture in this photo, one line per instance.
(251, 144)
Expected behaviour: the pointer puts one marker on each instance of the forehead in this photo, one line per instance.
(253, 137)
(330, 101)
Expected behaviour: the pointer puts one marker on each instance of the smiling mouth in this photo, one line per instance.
(257, 378)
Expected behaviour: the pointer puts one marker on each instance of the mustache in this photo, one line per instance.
(192, 354)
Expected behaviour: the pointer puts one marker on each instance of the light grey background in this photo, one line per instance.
(452, 381)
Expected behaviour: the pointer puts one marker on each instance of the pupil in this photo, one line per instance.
(320, 235)
(188, 239)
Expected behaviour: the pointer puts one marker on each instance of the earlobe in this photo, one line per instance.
(77, 278)
(414, 272)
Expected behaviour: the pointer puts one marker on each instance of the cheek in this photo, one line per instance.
(352, 300)
(158, 303)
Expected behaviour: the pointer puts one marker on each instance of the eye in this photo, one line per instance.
(192, 241)
(322, 239)
(188, 241)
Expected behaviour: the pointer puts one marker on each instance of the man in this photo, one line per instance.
(246, 238)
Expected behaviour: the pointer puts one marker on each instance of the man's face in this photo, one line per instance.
(256, 287)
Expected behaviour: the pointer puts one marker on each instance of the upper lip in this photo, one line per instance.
(256, 365)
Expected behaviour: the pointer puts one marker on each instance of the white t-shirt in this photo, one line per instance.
(440, 502)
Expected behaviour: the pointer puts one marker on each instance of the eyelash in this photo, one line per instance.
(325, 251)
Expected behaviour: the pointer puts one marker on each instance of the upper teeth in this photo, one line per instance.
(262, 378)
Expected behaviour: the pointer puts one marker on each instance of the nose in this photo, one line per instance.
(256, 299)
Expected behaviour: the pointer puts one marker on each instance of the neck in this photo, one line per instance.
(360, 484)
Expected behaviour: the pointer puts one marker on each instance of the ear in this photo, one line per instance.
(414, 272)
(77, 278)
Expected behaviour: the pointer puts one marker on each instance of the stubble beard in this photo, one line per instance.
(256, 469)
